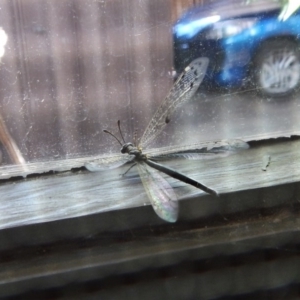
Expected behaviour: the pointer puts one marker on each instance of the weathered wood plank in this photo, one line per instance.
(69, 195)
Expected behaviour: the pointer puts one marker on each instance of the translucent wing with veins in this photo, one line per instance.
(159, 191)
(109, 162)
(199, 151)
(182, 90)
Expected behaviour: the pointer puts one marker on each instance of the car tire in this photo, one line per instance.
(277, 68)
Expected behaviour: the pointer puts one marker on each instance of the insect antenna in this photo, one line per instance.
(119, 126)
(106, 131)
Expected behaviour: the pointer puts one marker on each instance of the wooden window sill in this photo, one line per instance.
(76, 226)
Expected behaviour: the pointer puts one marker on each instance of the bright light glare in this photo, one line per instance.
(3, 41)
(192, 28)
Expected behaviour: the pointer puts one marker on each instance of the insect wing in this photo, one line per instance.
(183, 89)
(227, 145)
(202, 150)
(106, 163)
(161, 194)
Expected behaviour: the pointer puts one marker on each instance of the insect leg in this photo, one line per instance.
(128, 169)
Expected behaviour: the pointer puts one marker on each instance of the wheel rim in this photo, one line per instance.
(280, 71)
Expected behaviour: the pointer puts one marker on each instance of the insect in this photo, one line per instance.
(159, 191)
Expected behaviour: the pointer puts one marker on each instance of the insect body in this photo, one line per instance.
(160, 192)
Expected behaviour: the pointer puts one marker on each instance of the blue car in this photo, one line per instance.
(247, 42)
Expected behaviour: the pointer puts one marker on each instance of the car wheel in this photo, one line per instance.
(277, 68)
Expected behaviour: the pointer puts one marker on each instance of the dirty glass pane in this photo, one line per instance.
(70, 69)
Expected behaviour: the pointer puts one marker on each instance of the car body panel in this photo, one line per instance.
(231, 56)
